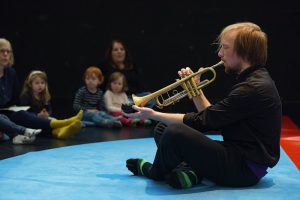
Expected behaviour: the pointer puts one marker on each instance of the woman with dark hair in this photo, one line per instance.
(118, 59)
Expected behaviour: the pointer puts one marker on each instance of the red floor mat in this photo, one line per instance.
(290, 140)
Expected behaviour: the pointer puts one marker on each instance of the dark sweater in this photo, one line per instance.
(35, 105)
(132, 76)
(9, 88)
(249, 117)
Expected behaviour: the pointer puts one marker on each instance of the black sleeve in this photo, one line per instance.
(16, 90)
(133, 79)
(239, 104)
(24, 100)
(107, 70)
(77, 103)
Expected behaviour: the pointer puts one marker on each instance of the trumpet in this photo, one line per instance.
(189, 85)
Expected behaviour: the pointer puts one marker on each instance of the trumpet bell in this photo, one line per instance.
(140, 101)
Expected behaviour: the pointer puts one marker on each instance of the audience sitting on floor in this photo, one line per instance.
(23, 126)
(89, 98)
(36, 94)
(9, 96)
(115, 96)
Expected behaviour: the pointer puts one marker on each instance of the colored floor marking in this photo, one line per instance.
(290, 140)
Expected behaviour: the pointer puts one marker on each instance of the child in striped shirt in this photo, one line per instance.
(90, 99)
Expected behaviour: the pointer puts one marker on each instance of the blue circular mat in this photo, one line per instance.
(98, 171)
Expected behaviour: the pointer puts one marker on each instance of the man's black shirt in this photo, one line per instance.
(249, 117)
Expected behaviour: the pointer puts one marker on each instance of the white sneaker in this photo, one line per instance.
(22, 139)
(32, 132)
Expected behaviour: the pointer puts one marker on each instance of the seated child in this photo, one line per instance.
(36, 94)
(89, 98)
(9, 94)
(115, 96)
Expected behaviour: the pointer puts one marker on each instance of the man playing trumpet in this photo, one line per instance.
(249, 119)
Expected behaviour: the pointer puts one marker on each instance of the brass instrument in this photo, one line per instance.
(191, 89)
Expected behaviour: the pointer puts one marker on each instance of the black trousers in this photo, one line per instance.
(28, 120)
(214, 160)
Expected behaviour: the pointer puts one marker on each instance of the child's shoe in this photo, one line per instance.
(22, 139)
(117, 124)
(134, 122)
(29, 132)
(145, 122)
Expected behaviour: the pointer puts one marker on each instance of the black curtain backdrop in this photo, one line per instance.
(65, 37)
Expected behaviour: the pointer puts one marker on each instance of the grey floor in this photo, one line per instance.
(86, 135)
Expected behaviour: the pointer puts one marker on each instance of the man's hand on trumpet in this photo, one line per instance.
(199, 100)
(187, 71)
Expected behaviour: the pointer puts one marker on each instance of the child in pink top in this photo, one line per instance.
(115, 96)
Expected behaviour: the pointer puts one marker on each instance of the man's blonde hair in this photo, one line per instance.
(251, 43)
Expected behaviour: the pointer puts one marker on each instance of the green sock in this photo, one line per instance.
(135, 121)
(182, 179)
(138, 167)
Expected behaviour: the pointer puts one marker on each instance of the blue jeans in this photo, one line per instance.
(100, 118)
(9, 127)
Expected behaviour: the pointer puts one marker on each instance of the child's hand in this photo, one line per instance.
(92, 110)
